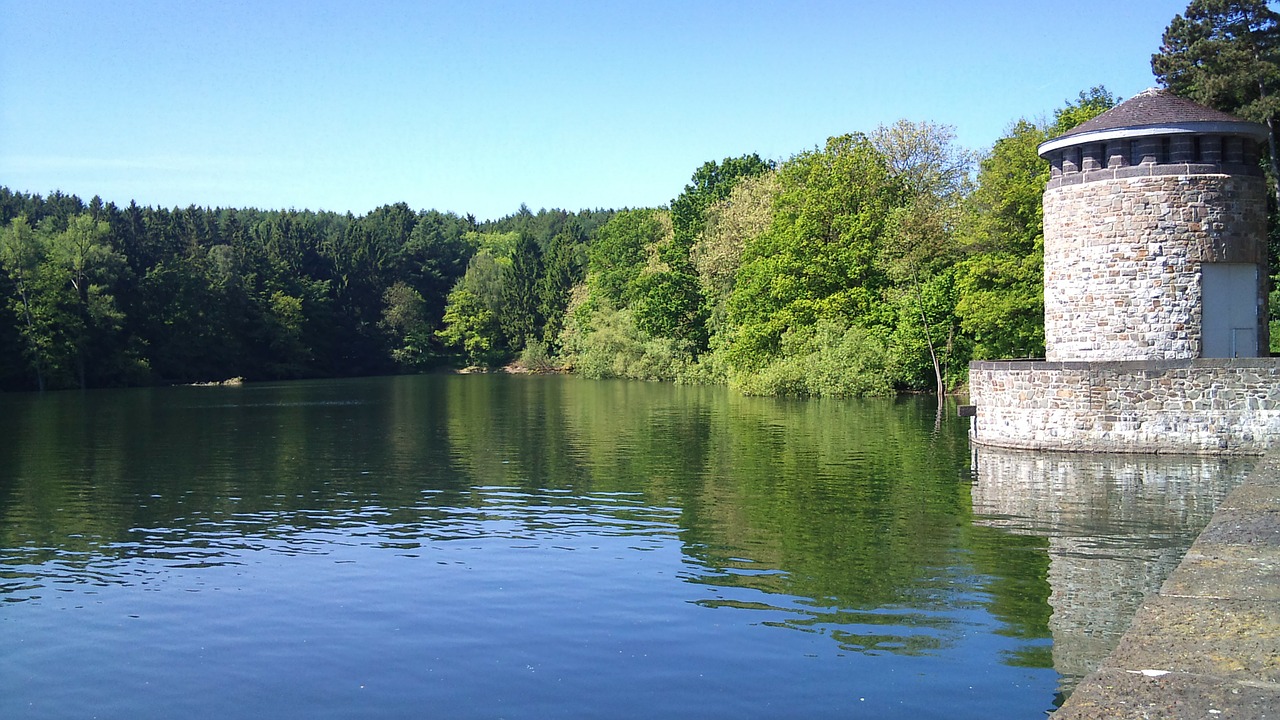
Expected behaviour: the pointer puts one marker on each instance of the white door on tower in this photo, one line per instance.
(1229, 316)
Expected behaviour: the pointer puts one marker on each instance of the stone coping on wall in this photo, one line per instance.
(1122, 365)
(1152, 170)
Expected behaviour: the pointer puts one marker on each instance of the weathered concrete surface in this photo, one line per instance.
(1208, 644)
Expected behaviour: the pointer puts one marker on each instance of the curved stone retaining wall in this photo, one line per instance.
(1161, 406)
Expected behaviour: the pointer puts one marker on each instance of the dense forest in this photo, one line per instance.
(878, 262)
(97, 295)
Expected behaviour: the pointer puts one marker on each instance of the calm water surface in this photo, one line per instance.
(516, 547)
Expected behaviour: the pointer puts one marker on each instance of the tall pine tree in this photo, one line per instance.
(520, 317)
(1226, 54)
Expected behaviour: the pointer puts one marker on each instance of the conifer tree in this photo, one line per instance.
(520, 317)
(1226, 54)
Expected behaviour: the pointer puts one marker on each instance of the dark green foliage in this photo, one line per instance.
(520, 317)
(433, 260)
(1225, 54)
(97, 295)
(873, 264)
(546, 224)
(564, 267)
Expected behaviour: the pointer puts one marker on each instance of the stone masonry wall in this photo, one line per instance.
(1177, 406)
(1122, 260)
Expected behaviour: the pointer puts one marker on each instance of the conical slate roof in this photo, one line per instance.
(1152, 106)
(1155, 112)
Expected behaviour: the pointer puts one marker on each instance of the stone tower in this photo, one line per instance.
(1155, 293)
(1155, 235)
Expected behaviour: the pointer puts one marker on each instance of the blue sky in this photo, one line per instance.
(479, 106)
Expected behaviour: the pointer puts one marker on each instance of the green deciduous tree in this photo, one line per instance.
(730, 224)
(827, 359)
(471, 325)
(472, 317)
(629, 319)
(83, 256)
(603, 341)
(288, 340)
(21, 253)
(60, 277)
(405, 318)
(817, 261)
(1087, 105)
(920, 245)
(621, 250)
(1000, 282)
(670, 302)
(710, 183)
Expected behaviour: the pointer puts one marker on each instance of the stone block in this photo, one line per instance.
(1244, 527)
(1223, 638)
(1227, 571)
(1115, 694)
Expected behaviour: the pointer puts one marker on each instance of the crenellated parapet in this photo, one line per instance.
(1177, 149)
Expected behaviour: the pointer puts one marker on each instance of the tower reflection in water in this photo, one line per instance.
(1116, 526)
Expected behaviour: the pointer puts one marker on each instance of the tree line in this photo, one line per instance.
(872, 264)
(878, 262)
(97, 295)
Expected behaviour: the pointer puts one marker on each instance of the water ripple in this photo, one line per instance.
(521, 518)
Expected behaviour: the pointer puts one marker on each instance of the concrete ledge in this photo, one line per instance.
(1120, 695)
(1208, 644)
(1127, 447)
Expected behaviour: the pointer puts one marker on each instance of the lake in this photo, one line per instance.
(491, 546)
